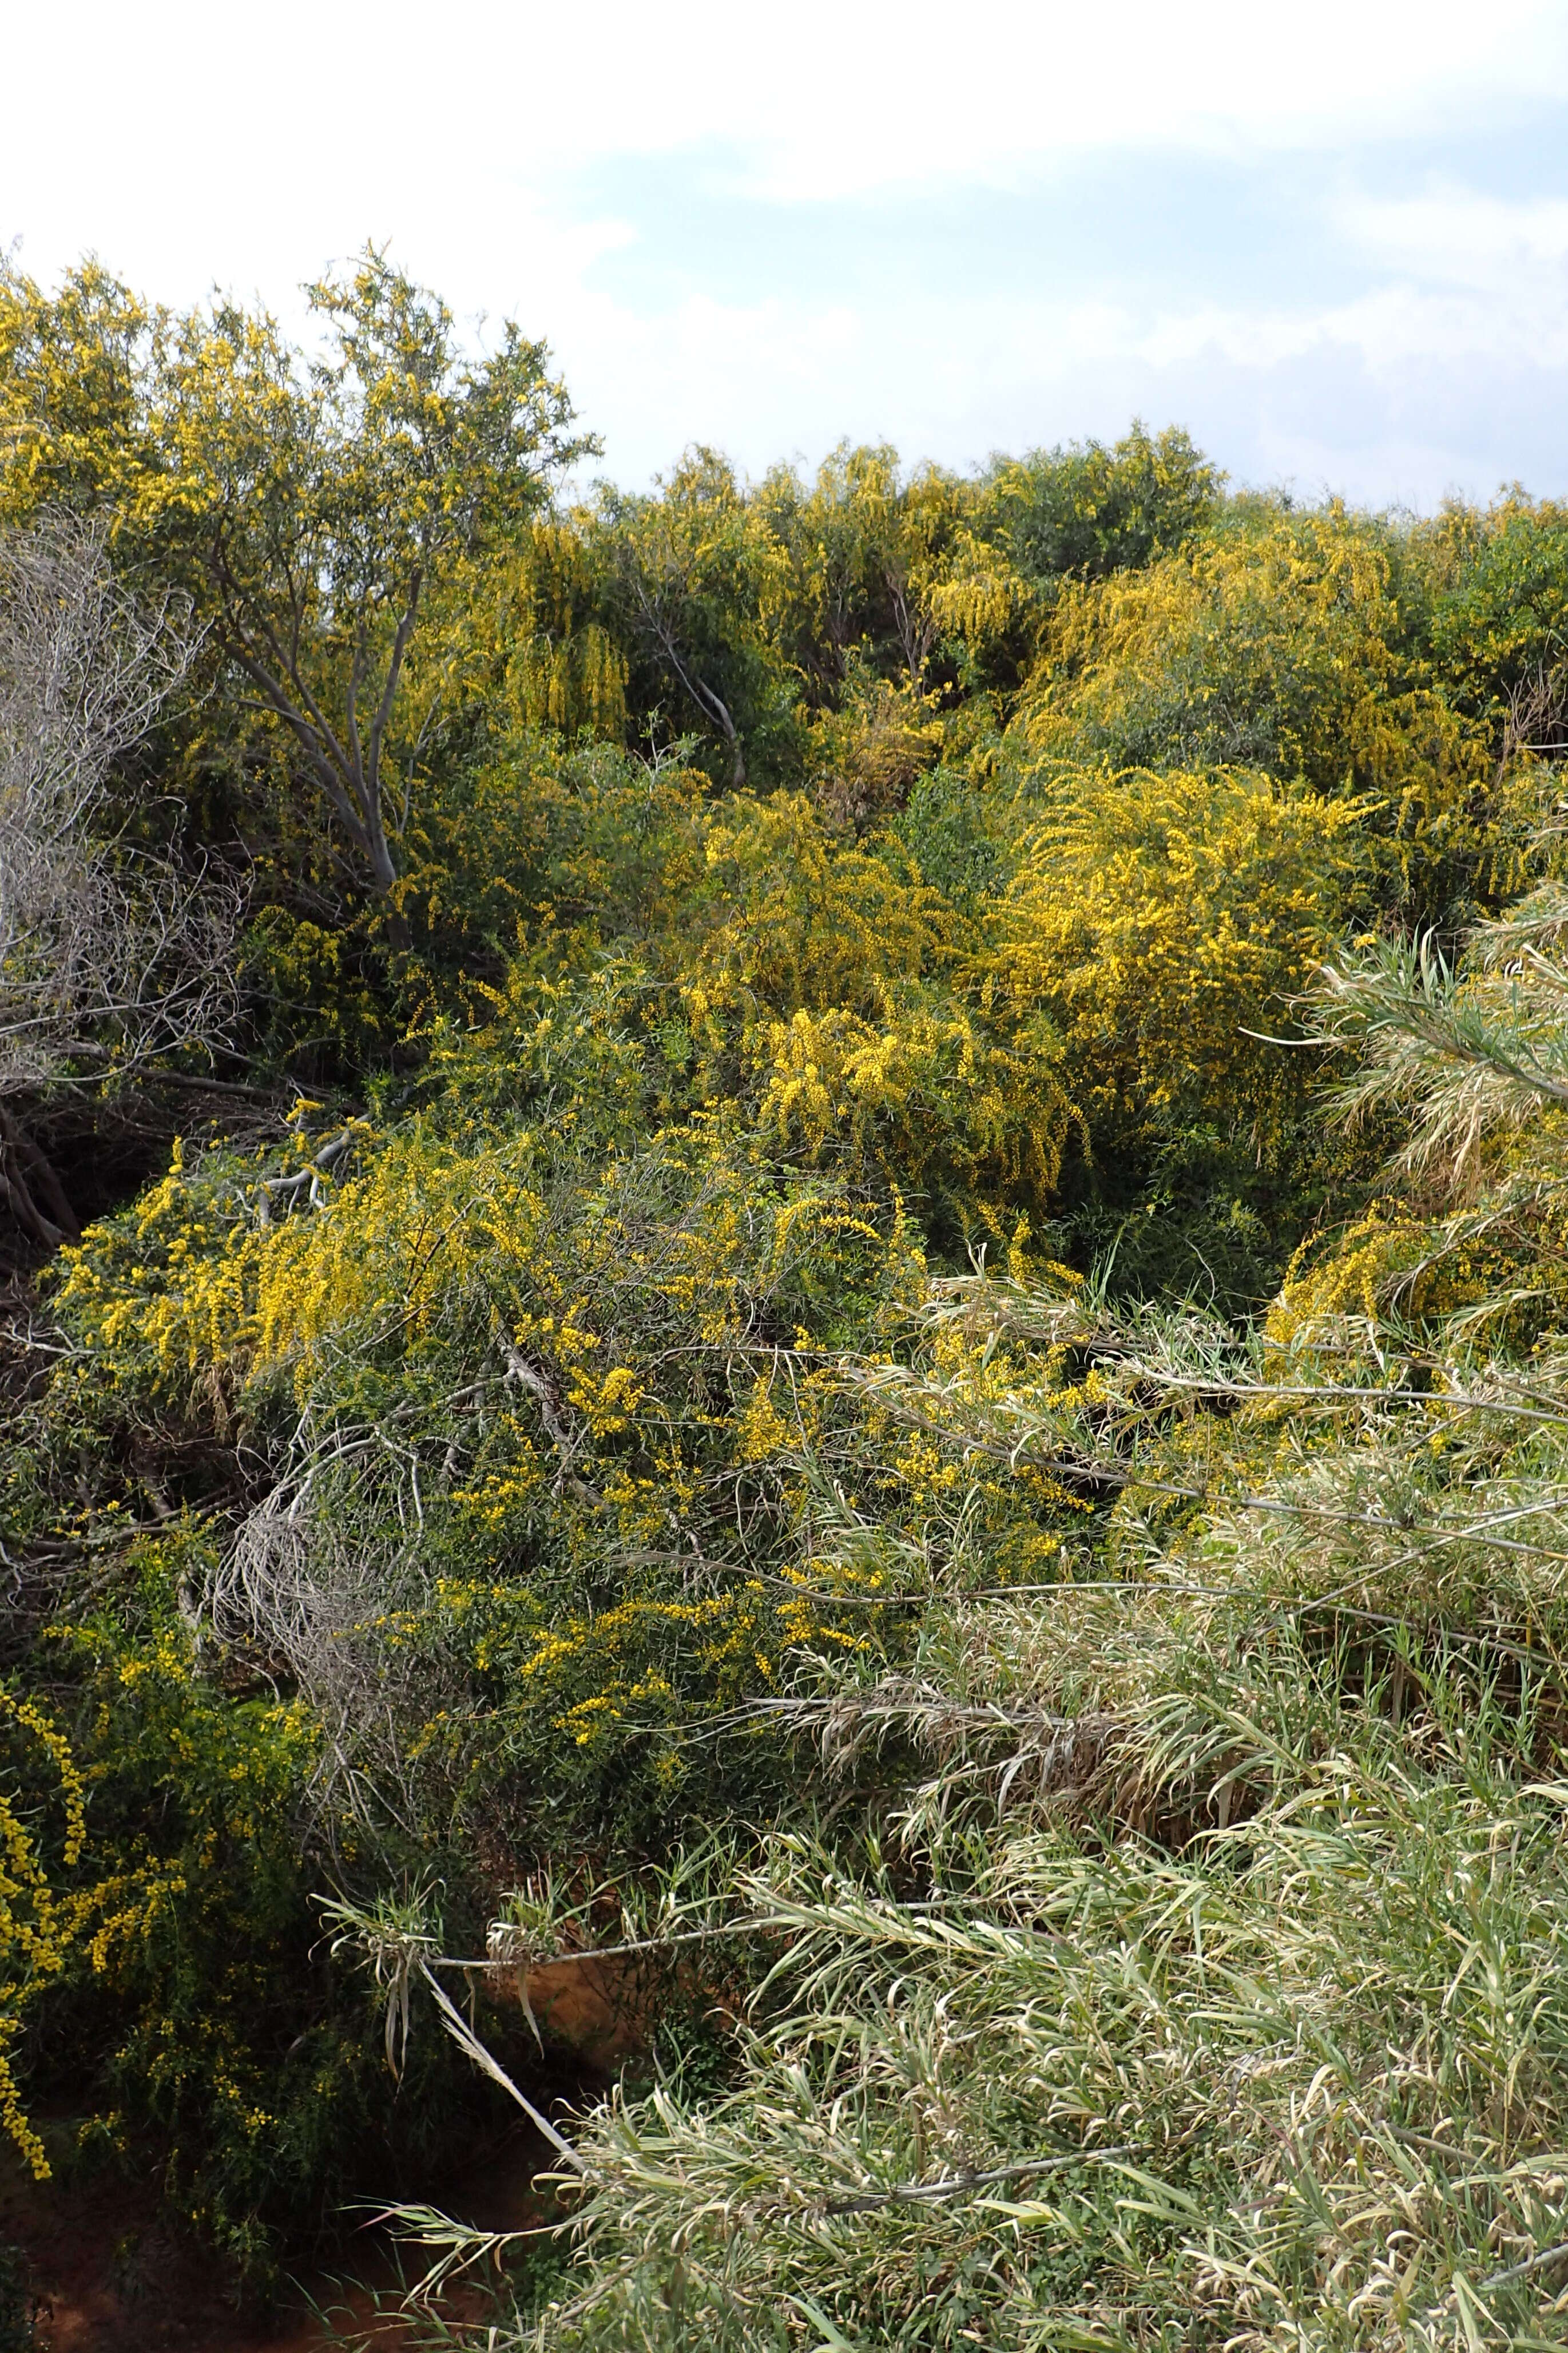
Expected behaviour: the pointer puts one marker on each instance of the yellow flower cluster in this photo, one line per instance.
(39, 1923)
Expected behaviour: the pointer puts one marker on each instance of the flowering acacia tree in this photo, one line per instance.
(326, 498)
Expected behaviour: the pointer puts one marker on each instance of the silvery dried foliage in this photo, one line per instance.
(110, 952)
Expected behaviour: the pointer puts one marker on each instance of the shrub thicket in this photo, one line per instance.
(880, 1314)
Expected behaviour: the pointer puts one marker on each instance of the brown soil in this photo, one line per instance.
(111, 2276)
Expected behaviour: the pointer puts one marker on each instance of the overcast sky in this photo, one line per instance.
(1332, 239)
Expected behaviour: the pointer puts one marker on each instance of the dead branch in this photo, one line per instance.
(112, 956)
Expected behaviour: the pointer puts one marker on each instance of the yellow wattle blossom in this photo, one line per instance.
(40, 1924)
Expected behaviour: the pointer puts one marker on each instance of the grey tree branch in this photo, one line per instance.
(111, 954)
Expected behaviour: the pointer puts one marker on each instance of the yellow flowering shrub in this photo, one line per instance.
(489, 1470)
(174, 1290)
(1161, 919)
(1281, 643)
(833, 989)
(40, 1922)
(803, 920)
(928, 1081)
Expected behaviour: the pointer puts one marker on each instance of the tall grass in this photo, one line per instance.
(1197, 1974)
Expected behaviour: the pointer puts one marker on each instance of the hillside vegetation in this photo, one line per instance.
(814, 1234)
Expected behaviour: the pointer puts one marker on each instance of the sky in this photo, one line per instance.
(1330, 239)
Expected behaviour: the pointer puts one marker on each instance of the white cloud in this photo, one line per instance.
(1456, 236)
(188, 144)
(198, 141)
(1402, 393)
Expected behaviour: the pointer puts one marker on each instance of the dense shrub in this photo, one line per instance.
(881, 1324)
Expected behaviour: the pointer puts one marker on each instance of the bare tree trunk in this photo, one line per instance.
(716, 705)
(916, 640)
(384, 884)
(710, 703)
(345, 764)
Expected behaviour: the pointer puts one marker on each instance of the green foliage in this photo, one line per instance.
(538, 840)
(18, 2307)
(857, 555)
(739, 1420)
(322, 501)
(684, 574)
(963, 844)
(75, 373)
(1208, 1983)
(1505, 616)
(1085, 511)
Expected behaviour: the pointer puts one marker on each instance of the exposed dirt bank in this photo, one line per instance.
(110, 2276)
